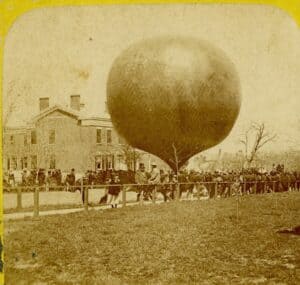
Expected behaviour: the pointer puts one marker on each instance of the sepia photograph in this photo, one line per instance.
(151, 144)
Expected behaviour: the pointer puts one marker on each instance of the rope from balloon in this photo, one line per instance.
(176, 157)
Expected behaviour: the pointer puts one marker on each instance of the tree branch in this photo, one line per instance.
(261, 138)
(176, 157)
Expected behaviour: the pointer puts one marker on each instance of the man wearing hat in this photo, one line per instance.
(70, 179)
(141, 179)
(154, 174)
(153, 180)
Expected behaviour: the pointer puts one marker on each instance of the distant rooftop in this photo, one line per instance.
(75, 108)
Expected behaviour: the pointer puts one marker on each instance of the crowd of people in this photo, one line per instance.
(168, 183)
(216, 183)
(55, 179)
(202, 184)
(33, 177)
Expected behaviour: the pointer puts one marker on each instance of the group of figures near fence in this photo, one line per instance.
(215, 184)
(169, 184)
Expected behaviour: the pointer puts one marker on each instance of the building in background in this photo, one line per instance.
(62, 138)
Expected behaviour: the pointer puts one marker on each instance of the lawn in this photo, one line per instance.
(199, 242)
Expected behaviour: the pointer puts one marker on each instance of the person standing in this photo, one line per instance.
(173, 180)
(59, 177)
(11, 179)
(154, 178)
(164, 188)
(114, 190)
(48, 180)
(141, 179)
(24, 177)
(70, 179)
(41, 177)
(154, 174)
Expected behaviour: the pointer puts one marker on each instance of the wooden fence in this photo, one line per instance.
(212, 187)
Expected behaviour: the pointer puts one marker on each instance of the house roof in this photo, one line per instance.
(21, 129)
(85, 119)
(96, 118)
(52, 109)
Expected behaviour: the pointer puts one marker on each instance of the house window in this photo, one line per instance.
(24, 162)
(110, 162)
(33, 137)
(8, 163)
(25, 139)
(33, 162)
(52, 137)
(120, 160)
(98, 162)
(98, 136)
(108, 136)
(104, 162)
(14, 163)
(12, 139)
(52, 162)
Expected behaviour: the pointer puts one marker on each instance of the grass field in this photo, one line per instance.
(200, 242)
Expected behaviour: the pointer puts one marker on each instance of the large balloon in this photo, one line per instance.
(173, 97)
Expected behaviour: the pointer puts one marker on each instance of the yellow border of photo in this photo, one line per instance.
(10, 10)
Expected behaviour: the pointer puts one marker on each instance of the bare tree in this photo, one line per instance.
(11, 103)
(254, 139)
(131, 156)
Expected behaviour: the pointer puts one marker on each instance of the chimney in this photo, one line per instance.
(75, 102)
(44, 103)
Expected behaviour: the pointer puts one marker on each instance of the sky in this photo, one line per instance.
(57, 52)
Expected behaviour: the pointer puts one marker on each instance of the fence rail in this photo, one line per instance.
(64, 187)
(168, 190)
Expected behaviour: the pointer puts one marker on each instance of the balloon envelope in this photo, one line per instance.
(173, 97)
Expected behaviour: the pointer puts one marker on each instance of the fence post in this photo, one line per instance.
(84, 195)
(197, 187)
(141, 191)
(244, 188)
(209, 188)
(230, 189)
(274, 186)
(36, 201)
(86, 198)
(237, 208)
(81, 190)
(255, 187)
(123, 196)
(154, 194)
(19, 198)
(216, 190)
(265, 187)
(177, 191)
